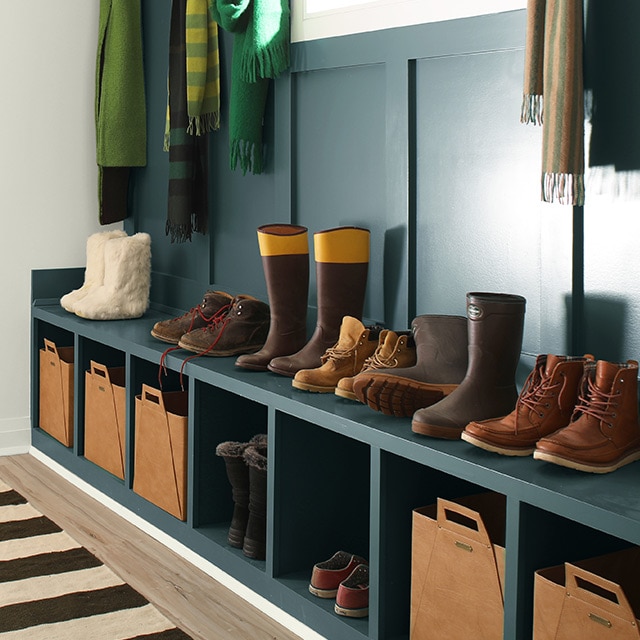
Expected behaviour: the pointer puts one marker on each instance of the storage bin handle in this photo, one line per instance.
(100, 370)
(462, 521)
(152, 398)
(598, 592)
(50, 346)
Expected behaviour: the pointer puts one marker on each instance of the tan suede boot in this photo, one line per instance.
(546, 404)
(395, 349)
(604, 433)
(346, 358)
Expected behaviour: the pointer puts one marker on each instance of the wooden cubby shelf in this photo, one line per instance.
(340, 476)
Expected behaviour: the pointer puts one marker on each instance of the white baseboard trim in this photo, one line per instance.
(15, 436)
(210, 569)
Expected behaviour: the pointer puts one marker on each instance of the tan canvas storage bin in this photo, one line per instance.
(104, 417)
(160, 456)
(56, 392)
(457, 569)
(593, 599)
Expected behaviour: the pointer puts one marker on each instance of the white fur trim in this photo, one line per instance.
(127, 280)
(94, 273)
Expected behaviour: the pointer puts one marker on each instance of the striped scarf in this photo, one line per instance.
(554, 95)
(193, 107)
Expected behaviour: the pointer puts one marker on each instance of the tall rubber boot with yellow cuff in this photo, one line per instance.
(342, 264)
(285, 259)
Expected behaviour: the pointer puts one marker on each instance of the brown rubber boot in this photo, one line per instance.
(441, 364)
(395, 350)
(172, 330)
(342, 264)
(345, 358)
(242, 328)
(495, 323)
(285, 259)
(545, 404)
(603, 434)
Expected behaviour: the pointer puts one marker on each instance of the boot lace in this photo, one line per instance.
(377, 361)
(537, 391)
(219, 319)
(596, 403)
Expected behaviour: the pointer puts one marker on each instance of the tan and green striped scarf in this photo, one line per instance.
(554, 95)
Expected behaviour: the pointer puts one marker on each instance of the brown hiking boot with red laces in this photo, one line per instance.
(197, 317)
(604, 433)
(242, 327)
(545, 405)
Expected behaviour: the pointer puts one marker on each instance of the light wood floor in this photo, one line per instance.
(186, 595)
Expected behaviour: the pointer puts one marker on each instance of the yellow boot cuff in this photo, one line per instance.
(342, 245)
(282, 240)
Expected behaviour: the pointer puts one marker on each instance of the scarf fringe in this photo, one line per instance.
(203, 124)
(532, 109)
(248, 154)
(565, 188)
(269, 62)
(178, 232)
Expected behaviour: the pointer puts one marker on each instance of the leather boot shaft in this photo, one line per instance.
(441, 363)
(342, 264)
(545, 404)
(285, 261)
(255, 457)
(495, 324)
(604, 433)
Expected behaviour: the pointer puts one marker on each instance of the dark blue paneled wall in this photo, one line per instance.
(413, 133)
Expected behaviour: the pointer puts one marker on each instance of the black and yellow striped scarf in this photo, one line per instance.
(554, 95)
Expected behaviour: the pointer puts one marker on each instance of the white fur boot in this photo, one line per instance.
(127, 280)
(94, 273)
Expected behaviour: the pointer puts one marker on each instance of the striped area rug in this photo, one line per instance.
(51, 588)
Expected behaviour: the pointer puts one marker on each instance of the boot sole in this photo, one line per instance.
(312, 387)
(581, 466)
(435, 431)
(157, 336)
(494, 448)
(221, 354)
(399, 397)
(253, 367)
(343, 393)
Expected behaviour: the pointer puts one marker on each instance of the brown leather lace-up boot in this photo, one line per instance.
(346, 358)
(441, 364)
(395, 350)
(172, 330)
(242, 327)
(603, 434)
(546, 404)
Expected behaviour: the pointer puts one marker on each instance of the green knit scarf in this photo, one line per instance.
(260, 52)
(120, 112)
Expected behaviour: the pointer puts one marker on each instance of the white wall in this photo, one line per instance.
(48, 173)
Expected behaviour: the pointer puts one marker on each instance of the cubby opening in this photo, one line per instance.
(406, 485)
(220, 417)
(322, 493)
(101, 403)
